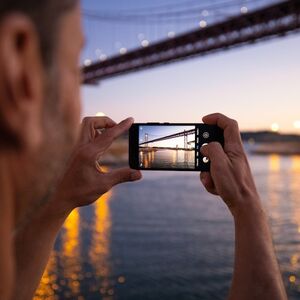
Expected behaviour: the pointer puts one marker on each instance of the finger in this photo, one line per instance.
(122, 175)
(208, 182)
(231, 129)
(117, 130)
(91, 124)
(214, 152)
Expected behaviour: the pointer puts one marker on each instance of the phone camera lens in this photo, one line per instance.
(205, 135)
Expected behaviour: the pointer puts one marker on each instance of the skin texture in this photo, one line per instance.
(256, 272)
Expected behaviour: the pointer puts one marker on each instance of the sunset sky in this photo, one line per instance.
(259, 85)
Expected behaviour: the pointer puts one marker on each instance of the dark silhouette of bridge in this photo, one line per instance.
(183, 134)
(273, 21)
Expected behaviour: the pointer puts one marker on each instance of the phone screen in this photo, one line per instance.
(170, 146)
(167, 147)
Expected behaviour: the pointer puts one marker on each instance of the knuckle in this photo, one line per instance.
(109, 134)
(213, 147)
(104, 118)
(234, 123)
(85, 120)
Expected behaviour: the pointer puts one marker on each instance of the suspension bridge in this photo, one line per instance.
(224, 30)
(184, 134)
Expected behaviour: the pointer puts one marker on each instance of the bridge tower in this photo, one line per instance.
(146, 139)
(185, 136)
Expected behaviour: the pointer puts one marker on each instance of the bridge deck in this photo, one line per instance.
(271, 21)
(171, 136)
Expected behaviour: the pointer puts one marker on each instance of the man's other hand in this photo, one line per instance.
(230, 175)
(84, 180)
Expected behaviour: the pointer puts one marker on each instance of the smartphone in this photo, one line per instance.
(171, 146)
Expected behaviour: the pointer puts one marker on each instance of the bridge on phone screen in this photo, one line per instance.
(230, 26)
(184, 134)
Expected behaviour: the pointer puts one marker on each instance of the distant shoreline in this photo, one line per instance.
(266, 142)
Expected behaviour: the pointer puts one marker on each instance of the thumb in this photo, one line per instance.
(214, 152)
(117, 176)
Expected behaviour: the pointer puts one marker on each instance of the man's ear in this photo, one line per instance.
(22, 81)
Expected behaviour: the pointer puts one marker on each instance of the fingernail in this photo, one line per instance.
(131, 119)
(203, 148)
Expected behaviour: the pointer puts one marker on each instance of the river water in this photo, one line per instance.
(166, 238)
(167, 159)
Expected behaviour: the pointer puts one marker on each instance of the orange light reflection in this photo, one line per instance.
(71, 255)
(100, 247)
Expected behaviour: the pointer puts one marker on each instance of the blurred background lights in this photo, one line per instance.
(103, 57)
(123, 50)
(244, 10)
(87, 62)
(292, 278)
(145, 43)
(205, 13)
(202, 24)
(297, 124)
(275, 127)
(171, 34)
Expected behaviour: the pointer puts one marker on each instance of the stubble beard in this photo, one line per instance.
(49, 162)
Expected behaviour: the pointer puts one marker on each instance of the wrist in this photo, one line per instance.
(248, 209)
(58, 208)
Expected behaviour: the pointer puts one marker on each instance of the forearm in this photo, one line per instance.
(33, 244)
(256, 271)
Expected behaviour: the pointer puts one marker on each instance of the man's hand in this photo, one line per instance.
(230, 175)
(85, 181)
(256, 272)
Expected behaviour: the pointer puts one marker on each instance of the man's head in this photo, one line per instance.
(40, 43)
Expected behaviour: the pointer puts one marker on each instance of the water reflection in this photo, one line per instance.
(273, 184)
(71, 255)
(48, 286)
(99, 251)
(295, 200)
(142, 241)
(65, 272)
(166, 158)
(295, 191)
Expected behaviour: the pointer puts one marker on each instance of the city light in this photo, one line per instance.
(202, 24)
(297, 124)
(87, 62)
(205, 13)
(275, 127)
(123, 50)
(171, 34)
(292, 278)
(103, 57)
(244, 10)
(145, 43)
